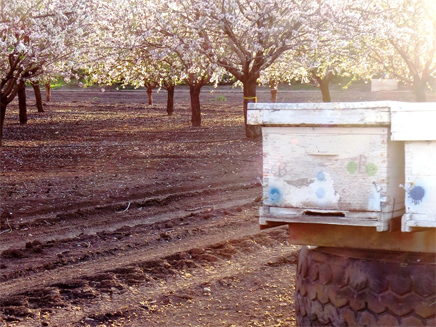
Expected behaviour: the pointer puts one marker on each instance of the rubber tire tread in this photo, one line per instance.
(346, 287)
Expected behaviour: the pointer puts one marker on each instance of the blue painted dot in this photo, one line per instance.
(275, 195)
(320, 176)
(320, 193)
(417, 194)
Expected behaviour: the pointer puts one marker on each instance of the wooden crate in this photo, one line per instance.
(413, 123)
(330, 163)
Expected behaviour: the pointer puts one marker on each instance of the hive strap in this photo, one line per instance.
(251, 98)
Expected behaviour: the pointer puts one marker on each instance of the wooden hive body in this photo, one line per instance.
(330, 163)
(414, 125)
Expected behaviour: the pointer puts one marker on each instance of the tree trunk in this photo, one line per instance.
(2, 117)
(419, 91)
(47, 92)
(273, 95)
(324, 87)
(5, 98)
(150, 94)
(273, 87)
(38, 97)
(22, 104)
(250, 96)
(170, 99)
(194, 92)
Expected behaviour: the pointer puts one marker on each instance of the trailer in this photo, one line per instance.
(356, 184)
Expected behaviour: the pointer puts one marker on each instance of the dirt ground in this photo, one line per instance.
(114, 214)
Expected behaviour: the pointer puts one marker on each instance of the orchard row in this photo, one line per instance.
(161, 43)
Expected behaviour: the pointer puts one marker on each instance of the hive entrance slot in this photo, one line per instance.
(323, 213)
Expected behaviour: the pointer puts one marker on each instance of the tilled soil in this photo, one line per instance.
(114, 214)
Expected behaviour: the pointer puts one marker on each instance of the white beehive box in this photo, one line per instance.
(414, 123)
(330, 163)
(384, 85)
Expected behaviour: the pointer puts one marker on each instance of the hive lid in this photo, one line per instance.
(374, 113)
(413, 121)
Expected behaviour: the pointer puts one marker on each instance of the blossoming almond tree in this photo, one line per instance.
(320, 63)
(113, 54)
(283, 70)
(331, 52)
(38, 37)
(400, 39)
(150, 45)
(158, 69)
(245, 37)
(139, 67)
(173, 31)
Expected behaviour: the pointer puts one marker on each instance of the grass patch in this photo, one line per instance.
(221, 98)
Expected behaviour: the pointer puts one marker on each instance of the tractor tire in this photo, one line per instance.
(349, 287)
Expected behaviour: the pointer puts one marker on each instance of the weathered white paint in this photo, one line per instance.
(330, 163)
(387, 84)
(292, 215)
(316, 114)
(413, 121)
(349, 169)
(420, 186)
